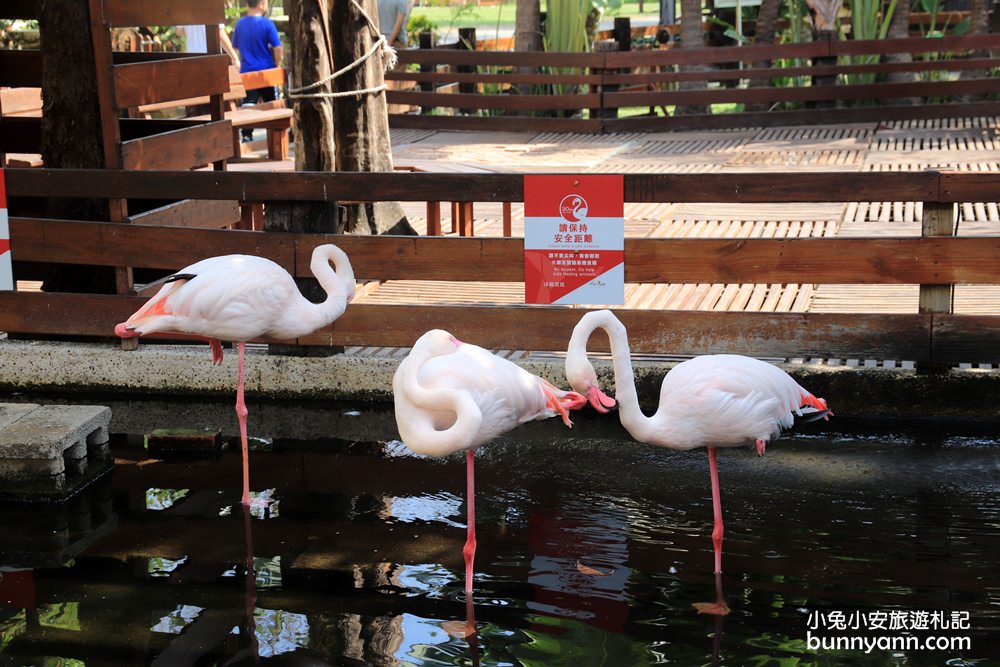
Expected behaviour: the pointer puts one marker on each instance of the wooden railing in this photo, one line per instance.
(819, 83)
(936, 262)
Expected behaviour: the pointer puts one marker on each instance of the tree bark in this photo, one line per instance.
(767, 18)
(71, 129)
(528, 35)
(361, 122)
(692, 37)
(899, 28)
(979, 24)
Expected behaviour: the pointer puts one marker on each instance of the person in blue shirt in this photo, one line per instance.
(256, 39)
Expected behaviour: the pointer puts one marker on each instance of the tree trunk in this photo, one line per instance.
(71, 129)
(528, 36)
(309, 60)
(979, 24)
(692, 37)
(361, 122)
(767, 18)
(899, 28)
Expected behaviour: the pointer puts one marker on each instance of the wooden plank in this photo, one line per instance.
(874, 91)
(576, 61)
(493, 123)
(20, 9)
(799, 117)
(124, 13)
(673, 332)
(138, 128)
(494, 77)
(966, 260)
(21, 101)
(263, 78)
(633, 78)
(548, 328)
(169, 248)
(176, 79)
(503, 102)
(21, 67)
(734, 188)
(937, 222)
(968, 187)
(20, 135)
(180, 149)
(191, 213)
(971, 339)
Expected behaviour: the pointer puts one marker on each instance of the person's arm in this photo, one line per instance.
(397, 27)
(227, 46)
(278, 52)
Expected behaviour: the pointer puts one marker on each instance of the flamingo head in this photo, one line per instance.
(583, 379)
(438, 342)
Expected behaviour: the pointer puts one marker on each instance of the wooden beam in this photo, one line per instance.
(972, 339)
(191, 213)
(537, 328)
(181, 149)
(934, 260)
(21, 68)
(19, 9)
(123, 13)
(408, 186)
(176, 79)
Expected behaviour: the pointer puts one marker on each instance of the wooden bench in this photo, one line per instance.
(274, 116)
(21, 103)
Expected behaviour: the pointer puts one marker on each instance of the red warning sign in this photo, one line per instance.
(574, 239)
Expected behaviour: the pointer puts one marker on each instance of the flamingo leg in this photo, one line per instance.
(251, 586)
(241, 414)
(469, 551)
(718, 607)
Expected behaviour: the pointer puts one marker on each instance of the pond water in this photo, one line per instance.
(841, 549)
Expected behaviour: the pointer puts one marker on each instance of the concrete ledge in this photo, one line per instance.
(45, 450)
(187, 370)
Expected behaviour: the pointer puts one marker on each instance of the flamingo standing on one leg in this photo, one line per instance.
(240, 298)
(451, 396)
(719, 400)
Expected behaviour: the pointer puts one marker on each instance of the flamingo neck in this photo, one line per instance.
(338, 283)
(635, 422)
(418, 428)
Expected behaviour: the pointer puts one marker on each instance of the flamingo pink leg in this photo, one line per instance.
(469, 551)
(717, 509)
(718, 607)
(241, 413)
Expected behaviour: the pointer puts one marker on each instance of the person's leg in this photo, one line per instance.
(253, 97)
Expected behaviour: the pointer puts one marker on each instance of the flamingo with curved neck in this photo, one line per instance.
(241, 298)
(451, 396)
(719, 400)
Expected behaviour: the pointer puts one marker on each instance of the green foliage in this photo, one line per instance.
(868, 21)
(417, 24)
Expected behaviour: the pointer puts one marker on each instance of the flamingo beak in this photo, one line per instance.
(599, 400)
(122, 331)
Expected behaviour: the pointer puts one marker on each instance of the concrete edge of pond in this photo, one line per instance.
(186, 370)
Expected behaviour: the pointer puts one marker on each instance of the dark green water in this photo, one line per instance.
(591, 550)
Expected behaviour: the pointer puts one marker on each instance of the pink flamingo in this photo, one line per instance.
(719, 400)
(240, 298)
(451, 396)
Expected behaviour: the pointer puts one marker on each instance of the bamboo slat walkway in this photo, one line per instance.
(957, 144)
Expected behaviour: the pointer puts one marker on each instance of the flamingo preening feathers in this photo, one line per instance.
(451, 396)
(719, 400)
(240, 298)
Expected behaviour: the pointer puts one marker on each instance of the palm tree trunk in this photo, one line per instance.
(528, 35)
(692, 37)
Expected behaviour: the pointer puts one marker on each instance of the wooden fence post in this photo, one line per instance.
(621, 42)
(937, 220)
(467, 41)
(426, 42)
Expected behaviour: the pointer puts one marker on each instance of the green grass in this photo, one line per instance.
(487, 19)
